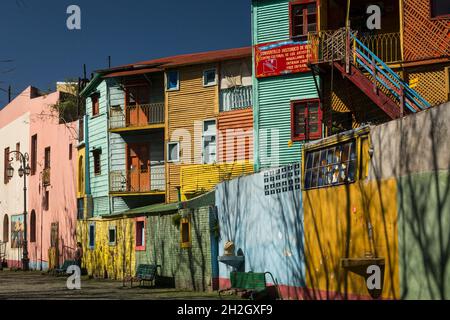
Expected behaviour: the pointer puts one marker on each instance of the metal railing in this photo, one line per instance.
(385, 46)
(46, 177)
(122, 181)
(236, 98)
(136, 116)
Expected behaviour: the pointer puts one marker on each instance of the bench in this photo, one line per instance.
(144, 273)
(252, 284)
(63, 270)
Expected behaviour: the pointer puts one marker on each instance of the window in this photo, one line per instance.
(137, 95)
(440, 8)
(80, 209)
(173, 81)
(18, 150)
(33, 154)
(173, 151)
(185, 230)
(5, 228)
(5, 166)
(70, 151)
(331, 166)
(81, 175)
(47, 158)
(303, 19)
(95, 104)
(209, 78)
(306, 120)
(140, 235)
(91, 236)
(46, 200)
(112, 235)
(97, 161)
(209, 141)
(33, 226)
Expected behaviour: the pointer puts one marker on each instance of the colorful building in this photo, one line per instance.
(31, 124)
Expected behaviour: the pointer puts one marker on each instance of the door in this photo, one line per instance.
(138, 167)
(209, 141)
(137, 99)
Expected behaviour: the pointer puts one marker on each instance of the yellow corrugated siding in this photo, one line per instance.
(201, 178)
(193, 102)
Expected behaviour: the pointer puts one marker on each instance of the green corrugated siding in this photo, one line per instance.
(275, 95)
(271, 20)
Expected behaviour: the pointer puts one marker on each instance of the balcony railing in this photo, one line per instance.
(386, 46)
(139, 180)
(46, 177)
(236, 98)
(137, 115)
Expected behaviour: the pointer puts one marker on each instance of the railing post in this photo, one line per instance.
(402, 102)
(347, 50)
(374, 71)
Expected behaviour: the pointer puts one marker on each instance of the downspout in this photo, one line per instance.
(256, 151)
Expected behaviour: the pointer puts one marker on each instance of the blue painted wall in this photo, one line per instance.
(267, 227)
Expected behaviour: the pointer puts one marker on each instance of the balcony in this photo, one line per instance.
(139, 181)
(136, 117)
(46, 177)
(236, 98)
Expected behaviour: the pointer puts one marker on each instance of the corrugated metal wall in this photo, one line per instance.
(272, 96)
(191, 103)
(98, 138)
(238, 124)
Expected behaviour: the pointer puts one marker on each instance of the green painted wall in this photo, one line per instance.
(190, 268)
(424, 235)
(273, 96)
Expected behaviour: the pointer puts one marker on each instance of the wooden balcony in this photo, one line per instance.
(137, 117)
(139, 181)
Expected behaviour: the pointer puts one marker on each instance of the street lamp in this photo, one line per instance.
(23, 171)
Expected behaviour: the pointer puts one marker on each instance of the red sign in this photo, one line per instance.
(280, 58)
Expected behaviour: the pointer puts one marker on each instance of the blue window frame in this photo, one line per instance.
(173, 80)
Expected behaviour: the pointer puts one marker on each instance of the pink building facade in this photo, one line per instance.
(51, 195)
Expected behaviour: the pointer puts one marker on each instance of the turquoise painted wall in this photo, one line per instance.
(424, 235)
(273, 96)
(98, 138)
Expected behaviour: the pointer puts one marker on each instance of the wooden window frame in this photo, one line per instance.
(6, 179)
(168, 151)
(301, 2)
(306, 136)
(177, 88)
(114, 228)
(34, 144)
(143, 244)
(97, 157)
(95, 110)
(205, 85)
(91, 240)
(185, 244)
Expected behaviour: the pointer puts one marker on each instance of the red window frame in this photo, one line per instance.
(305, 18)
(95, 98)
(307, 135)
(137, 222)
(97, 162)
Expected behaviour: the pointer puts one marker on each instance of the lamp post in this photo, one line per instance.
(23, 171)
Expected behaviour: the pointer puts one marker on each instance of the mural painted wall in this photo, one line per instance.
(262, 214)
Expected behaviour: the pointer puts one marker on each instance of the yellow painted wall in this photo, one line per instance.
(113, 261)
(193, 102)
(335, 220)
(202, 178)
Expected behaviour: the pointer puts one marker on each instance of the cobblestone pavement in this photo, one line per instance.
(36, 285)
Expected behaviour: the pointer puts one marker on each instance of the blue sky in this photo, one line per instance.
(34, 35)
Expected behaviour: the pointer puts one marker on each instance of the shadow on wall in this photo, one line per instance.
(401, 213)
